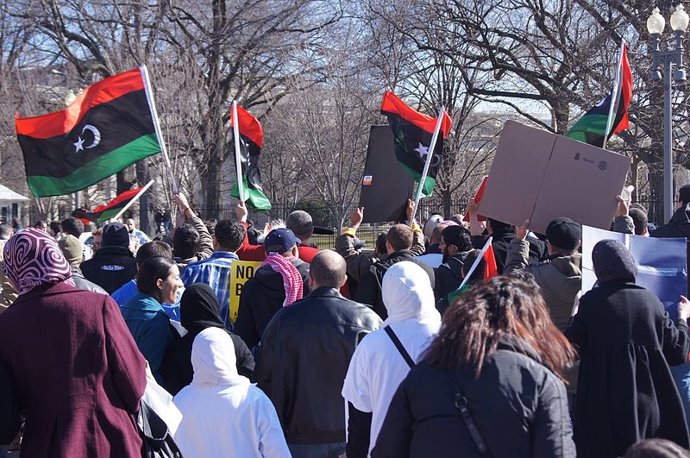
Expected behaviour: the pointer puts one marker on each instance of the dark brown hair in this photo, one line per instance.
(400, 237)
(473, 325)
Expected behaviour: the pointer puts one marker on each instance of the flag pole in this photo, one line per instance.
(238, 160)
(476, 262)
(430, 152)
(134, 199)
(156, 124)
(614, 94)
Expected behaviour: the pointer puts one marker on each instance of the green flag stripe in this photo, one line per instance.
(429, 182)
(96, 170)
(109, 213)
(593, 123)
(255, 198)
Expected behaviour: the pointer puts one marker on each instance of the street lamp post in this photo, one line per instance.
(670, 55)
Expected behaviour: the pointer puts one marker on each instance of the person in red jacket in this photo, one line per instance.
(299, 222)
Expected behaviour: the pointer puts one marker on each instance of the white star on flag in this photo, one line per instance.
(422, 150)
(79, 145)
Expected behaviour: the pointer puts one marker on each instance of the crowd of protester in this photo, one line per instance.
(415, 347)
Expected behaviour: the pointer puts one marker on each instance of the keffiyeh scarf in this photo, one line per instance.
(292, 280)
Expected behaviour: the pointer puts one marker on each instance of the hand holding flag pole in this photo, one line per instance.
(238, 151)
(425, 172)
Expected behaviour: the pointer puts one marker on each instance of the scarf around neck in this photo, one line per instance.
(292, 280)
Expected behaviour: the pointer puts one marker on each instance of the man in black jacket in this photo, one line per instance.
(264, 294)
(456, 242)
(304, 356)
(399, 240)
(113, 265)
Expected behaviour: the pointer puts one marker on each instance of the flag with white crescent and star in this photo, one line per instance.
(108, 127)
(412, 131)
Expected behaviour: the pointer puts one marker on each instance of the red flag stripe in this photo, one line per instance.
(392, 104)
(60, 122)
(249, 126)
(478, 198)
(118, 199)
(626, 90)
(490, 265)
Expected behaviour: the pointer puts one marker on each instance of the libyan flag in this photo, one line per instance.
(591, 127)
(111, 209)
(107, 128)
(413, 131)
(251, 139)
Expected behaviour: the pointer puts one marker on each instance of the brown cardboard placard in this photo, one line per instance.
(538, 175)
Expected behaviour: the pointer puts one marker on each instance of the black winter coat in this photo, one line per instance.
(303, 359)
(449, 275)
(679, 226)
(369, 288)
(625, 390)
(110, 268)
(262, 296)
(518, 405)
(199, 310)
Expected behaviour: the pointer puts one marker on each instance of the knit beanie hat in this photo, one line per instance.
(71, 248)
(613, 262)
(115, 234)
(564, 233)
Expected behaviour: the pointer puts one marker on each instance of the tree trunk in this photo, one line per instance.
(211, 185)
(447, 202)
(561, 113)
(143, 177)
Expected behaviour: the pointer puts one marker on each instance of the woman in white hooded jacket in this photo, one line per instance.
(377, 366)
(223, 414)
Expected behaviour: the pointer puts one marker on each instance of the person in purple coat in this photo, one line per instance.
(77, 371)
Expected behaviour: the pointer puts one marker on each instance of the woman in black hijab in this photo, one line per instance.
(626, 343)
(199, 309)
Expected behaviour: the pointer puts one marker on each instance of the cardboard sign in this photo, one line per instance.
(539, 176)
(240, 272)
(385, 185)
(661, 264)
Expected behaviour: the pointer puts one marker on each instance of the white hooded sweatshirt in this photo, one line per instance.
(377, 368)
(223, 414)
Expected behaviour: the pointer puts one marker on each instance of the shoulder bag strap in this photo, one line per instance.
(406, 356)
(463, 405)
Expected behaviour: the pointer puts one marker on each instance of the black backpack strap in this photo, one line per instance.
(406, 356)
(463, 405)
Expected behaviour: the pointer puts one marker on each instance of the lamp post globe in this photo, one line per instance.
(679, 19)
(655, 23)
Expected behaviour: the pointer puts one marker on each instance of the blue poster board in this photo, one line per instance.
(661, 264)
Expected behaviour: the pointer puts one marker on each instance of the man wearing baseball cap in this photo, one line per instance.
(278, 282)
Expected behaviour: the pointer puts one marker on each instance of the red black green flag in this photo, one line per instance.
(591, 128)
(413, 131)
(251, 139)
(107, 128)
(111, 209)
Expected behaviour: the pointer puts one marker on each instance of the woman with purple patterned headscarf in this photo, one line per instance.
(33, 259)
(78, 373)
